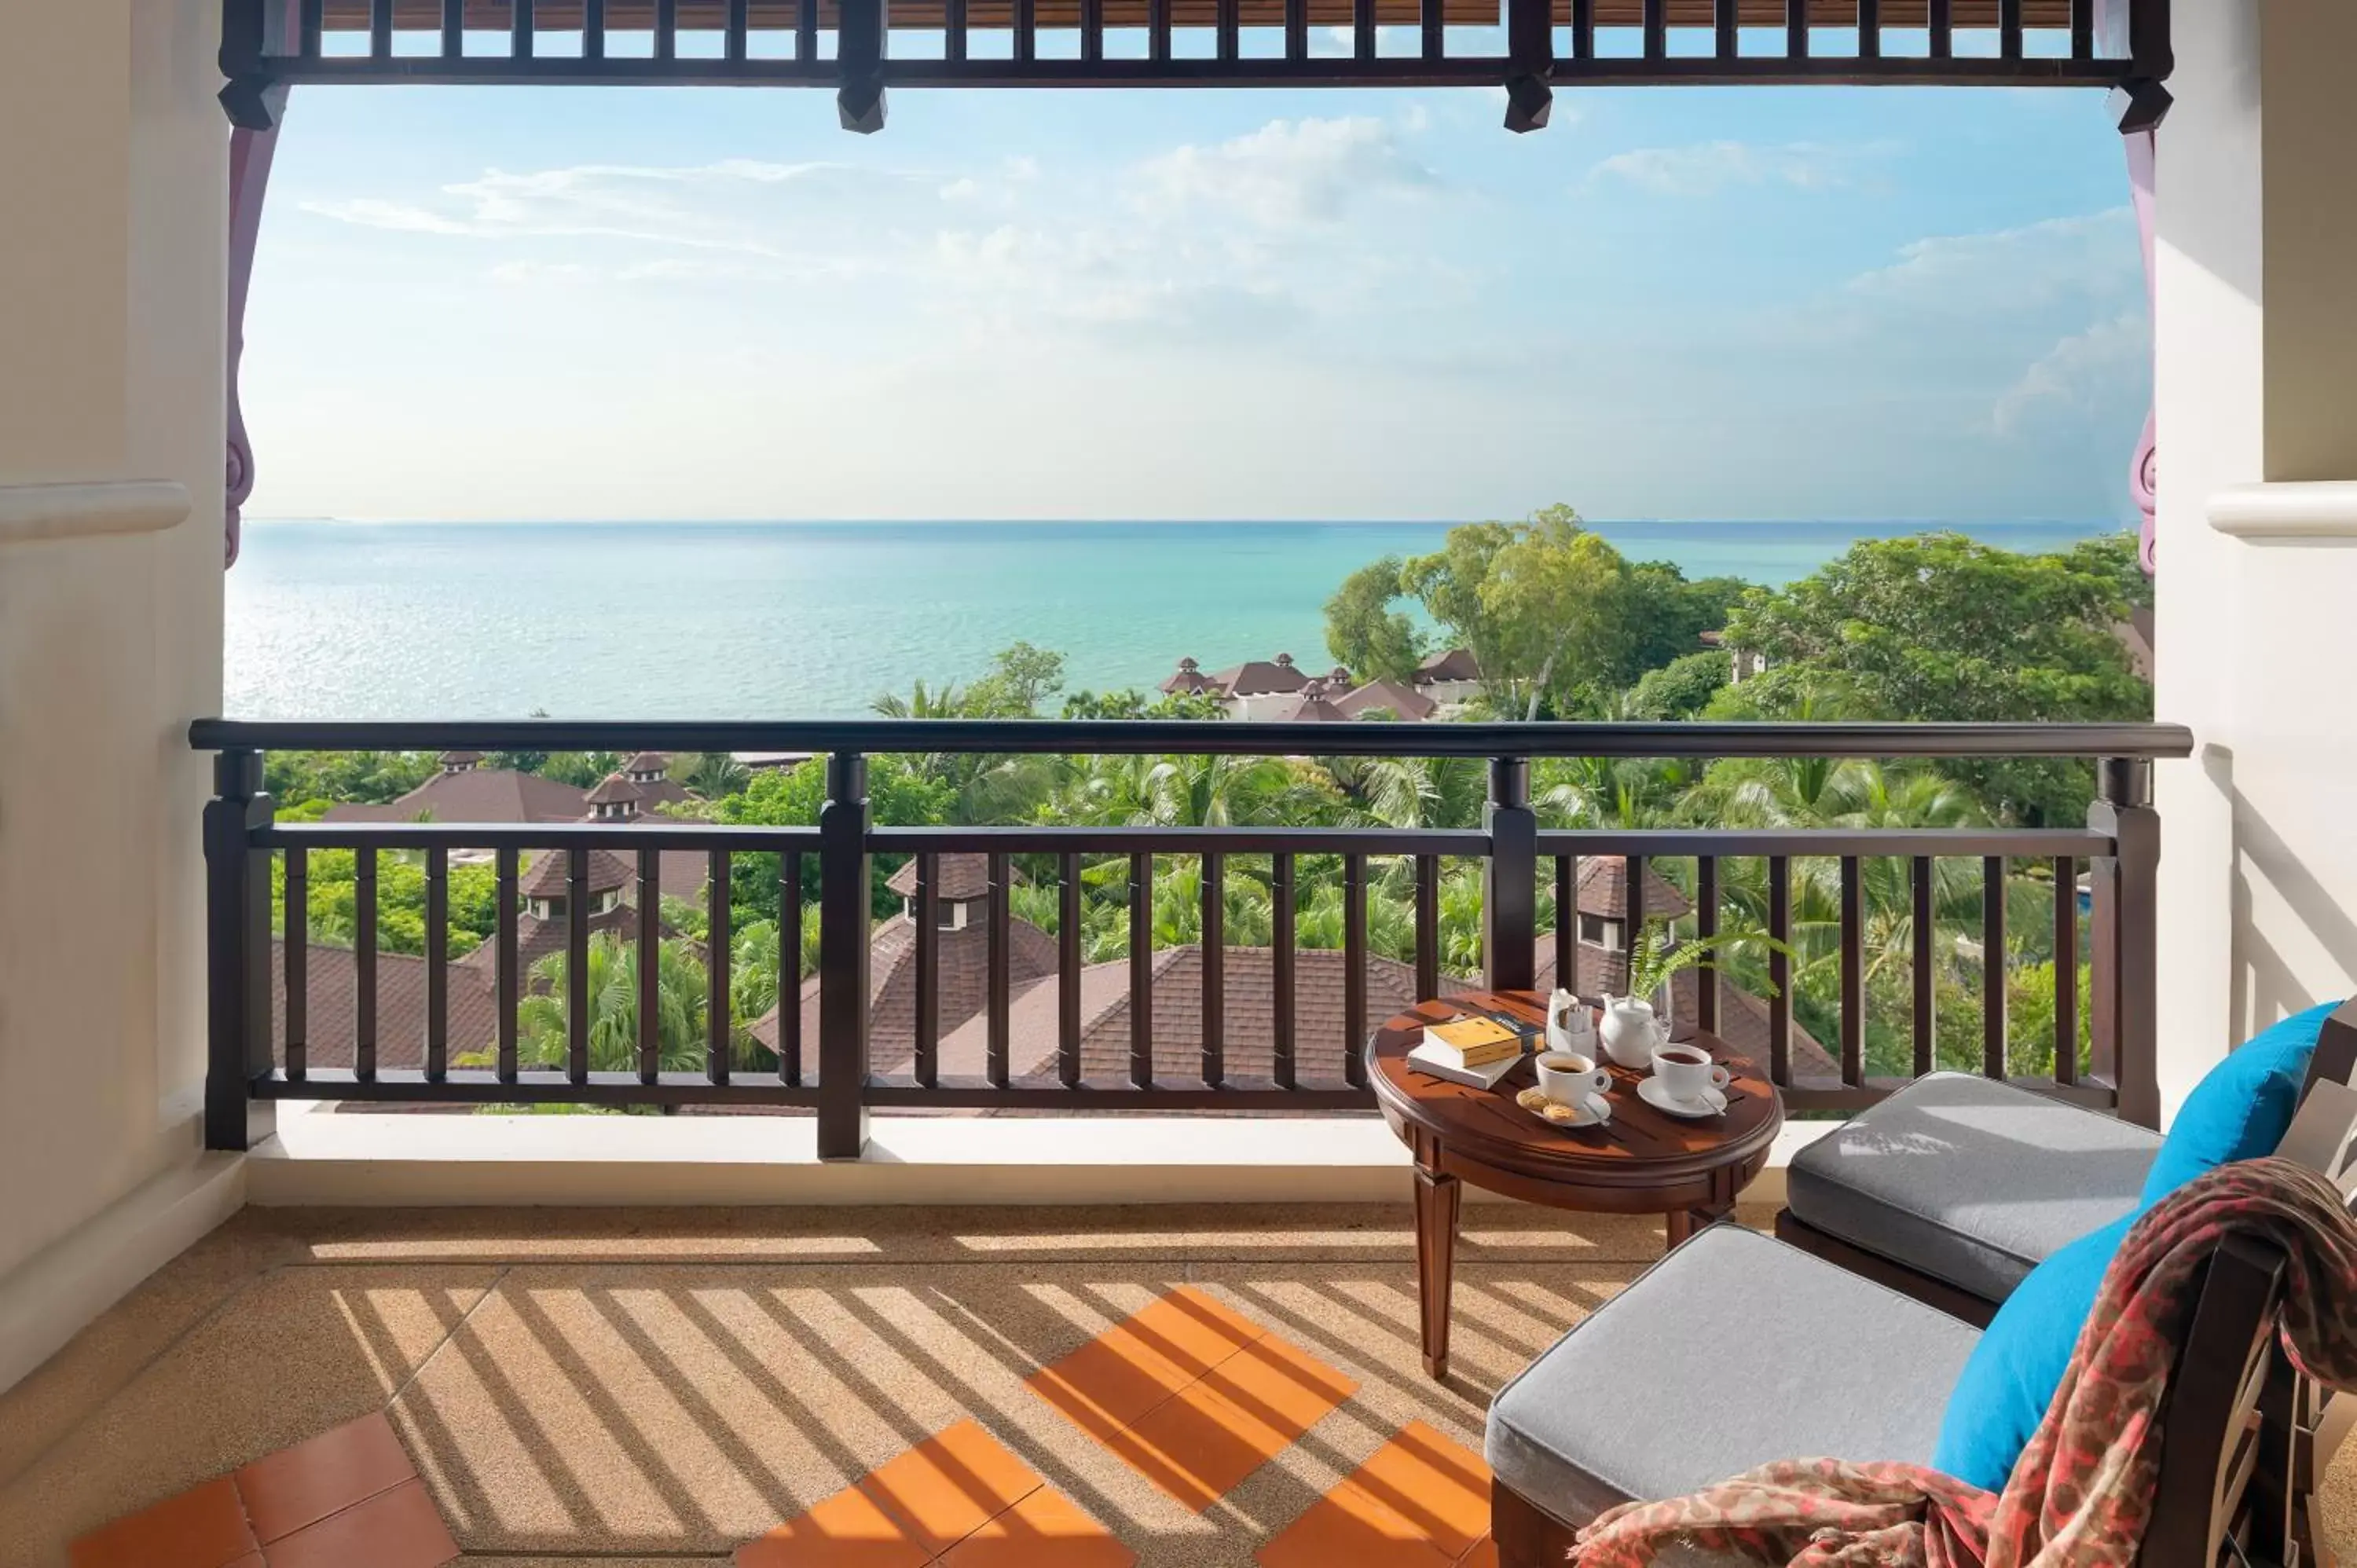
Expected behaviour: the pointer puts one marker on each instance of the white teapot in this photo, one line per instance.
(1630, 1032)
(1568, 1027)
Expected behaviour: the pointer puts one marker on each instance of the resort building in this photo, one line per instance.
(465, 790)
(1449, 678)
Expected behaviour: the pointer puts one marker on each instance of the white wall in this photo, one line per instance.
(2257, 338)
(110, 288)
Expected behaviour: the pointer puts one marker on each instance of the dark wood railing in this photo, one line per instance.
(261, 1053)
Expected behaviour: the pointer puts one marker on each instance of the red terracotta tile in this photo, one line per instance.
(1347, 1526)
(846, 1530)
(1287, 1388)
(202, 1528)
(1441, 1487)
(302, 1485)
(1484, 1554)
(950, 1484)
(1198, 1445)
(1110, 1381)
(1044, 1531)
(396, 1529)
(1194, 1329)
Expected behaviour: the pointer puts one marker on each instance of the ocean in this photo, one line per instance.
(347, 620)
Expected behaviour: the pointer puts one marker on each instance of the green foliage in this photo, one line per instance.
(582, 770)
(1940, 627)
(373, 778)
(333, 907)
(1366, 632)
(1133, 703)
(712, 774)
(1682, 688)
(543, 1038)
(1659, 954)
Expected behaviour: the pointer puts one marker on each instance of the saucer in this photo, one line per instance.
(1531, 1099)
(1650, 1090)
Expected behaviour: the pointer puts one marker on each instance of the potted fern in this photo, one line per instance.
(1633, 1027)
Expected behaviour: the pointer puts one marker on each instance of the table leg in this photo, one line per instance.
(1437, 1196)
(1681, 1223)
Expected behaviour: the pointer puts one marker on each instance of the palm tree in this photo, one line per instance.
(716, 773)
(542, 1039)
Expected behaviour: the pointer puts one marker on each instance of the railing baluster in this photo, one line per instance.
(1926, 974)
(1510, 878)
(667, 28)
(505, 959)
(1656, 17)
(437, 964)
(1566, 922)
(1728, 19)
(520, 29)
(1027, 30)
(843, 945)
(593, 29)
(454, 29)
(1215, 968)
(237, 953)
(1362, 28)
(737, 46)
(1427, 927)
(2066, 970)
(1354, 969)
(790, 967)
(576, 965)
(1157, 29)
(1869, 29)
(1280, 890)
(1853, 972)
(1634, 868)
(381, 29)
(1093, 29)
(1779, 972)
(1067, 971)
(649, 962)
(1297, 29)
(1796, 28)
(1230, 18)
(719, 1022)
(310, 25)
(1993, 965)
(2008, 29)
(1141, 971)
(929, 970)
(996, 995)
(1583, 30)
(1707, 927)
(364, 963)
(1941, 21)
(297, 925)
(954, 24)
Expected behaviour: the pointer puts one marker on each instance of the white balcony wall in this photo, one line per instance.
(112, 238)
(2256, 337)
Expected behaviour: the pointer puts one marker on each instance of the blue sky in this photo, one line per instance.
(1678, 303)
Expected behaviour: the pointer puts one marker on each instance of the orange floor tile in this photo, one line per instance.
(397, 1529)
(1043, 1530)
(950, 1485)
(1419, 1501)
(202, 1528)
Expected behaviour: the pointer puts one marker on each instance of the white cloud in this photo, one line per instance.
(1705, 168)
(1287, 173)
(368, 212)
(2090, 255)
(2081, 377)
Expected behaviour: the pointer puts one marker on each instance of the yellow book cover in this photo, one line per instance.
(1476, 1040)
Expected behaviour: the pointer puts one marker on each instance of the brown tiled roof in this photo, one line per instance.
(1454, 664)
(548, 876)
(648, 762)
(481, 795)
(331, 990)
(459, 758)
(1310, 709)
(653, 792)
(964, 977)
(956, 878)
(1386, 696)
(1189, 677)
(613, 790)
(1260, 677)
(1604, 890)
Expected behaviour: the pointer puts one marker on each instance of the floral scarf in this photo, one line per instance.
(2081, 1492)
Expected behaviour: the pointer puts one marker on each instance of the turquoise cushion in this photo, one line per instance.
(2242, 1108)
(2010, 1378)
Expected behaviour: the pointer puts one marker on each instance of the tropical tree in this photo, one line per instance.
(543, 1038)
(1364, 630)
(712, 774)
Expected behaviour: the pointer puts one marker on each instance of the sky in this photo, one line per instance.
(1771, 303)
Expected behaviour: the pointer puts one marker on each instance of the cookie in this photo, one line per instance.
(1554, 1112)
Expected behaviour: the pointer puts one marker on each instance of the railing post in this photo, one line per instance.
(237, 954)
(2123, 974)
(1509, 917)
(842, 940)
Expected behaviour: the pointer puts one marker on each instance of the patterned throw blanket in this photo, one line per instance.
(2081, 1492)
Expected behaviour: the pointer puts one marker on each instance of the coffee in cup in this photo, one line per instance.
(1688, 1075)
(1567, 1078)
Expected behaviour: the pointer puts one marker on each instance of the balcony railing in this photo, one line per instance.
(1183, 1046)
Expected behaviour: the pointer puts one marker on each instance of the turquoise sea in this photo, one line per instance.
(347, 620)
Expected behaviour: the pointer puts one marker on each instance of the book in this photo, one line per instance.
(1471, 1042)
(1440, 1064)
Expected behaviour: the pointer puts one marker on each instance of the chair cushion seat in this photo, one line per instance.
(1733, 1350)
(1969, 1180)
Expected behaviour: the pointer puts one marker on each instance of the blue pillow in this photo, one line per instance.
(2242, 1107)
(2012, 1373)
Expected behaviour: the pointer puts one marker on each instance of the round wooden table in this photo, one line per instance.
(1641, 1162)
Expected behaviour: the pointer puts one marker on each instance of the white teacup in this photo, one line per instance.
(1688, 1075)
(1567, 1078)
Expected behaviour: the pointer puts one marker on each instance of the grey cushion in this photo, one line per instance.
(1733, 1350)
(1969, 1180)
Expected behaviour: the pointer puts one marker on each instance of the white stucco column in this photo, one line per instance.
(111, 290)
(2256, 396)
